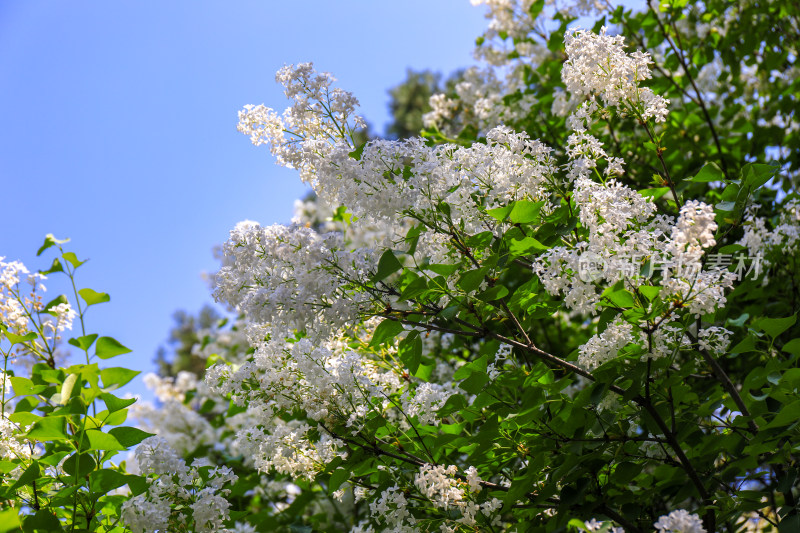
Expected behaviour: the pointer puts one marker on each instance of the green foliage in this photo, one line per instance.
(59, 473)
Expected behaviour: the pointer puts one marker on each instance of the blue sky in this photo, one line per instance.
(119, 129)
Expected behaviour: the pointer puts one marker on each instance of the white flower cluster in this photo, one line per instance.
(179, 497)
(610, 209)
(785, 235)
(439, 484)
(14, 303)
(584, 150)
(64, 315)
(478, 100)
(426, 400)
(701, 290)
(287, 448)
(594, 525)
(12, 444)
(605, 346)
(183, 428)
(714, 340)
(392, 177)
(511, 24)
(293, 278)
(320, 112)
(176, 418)
(694, 231)
(330, 383)
(22, 311)
(391, 508)
(597, 65)
(679, 521)
(232, 342)
(623, 232)
(621, 225)
(665, 340)
(442, 487)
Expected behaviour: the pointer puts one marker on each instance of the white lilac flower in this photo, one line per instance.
(439, 484)
(177, 493)
(292, 278)
(714, 340)
(679, 521)
(597, 65)
(391, 508)
(473, 480)
(12, 443)
(605, 346)
(426, 400)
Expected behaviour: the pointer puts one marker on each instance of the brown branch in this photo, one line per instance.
(726, 382)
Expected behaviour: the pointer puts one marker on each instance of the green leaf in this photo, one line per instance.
(66, 388)
(788, 415)
(493, 293)
(92, 297)
(8, 466)
(30, 475)
(625, 472)
(20, 339)
(501, 213)
(43, 520)
(454, 403)
(622, 298)
(387, 265)
(116, 377)
(424, 372)
(105, 480)
(474, 384)
(337, 478)
(55, 267)
(386, 331)
(710, 172)
(478, 365)
(22, 386)
(442, 270)
(73, 259)
(128, 436)
(24, 418)
(115, 404)
(649, 292)
(410, 351)
(49, 428)
(755, 175)
(79, 465)
(472, 279)
(731, 249)
(775, 326)
(748, 344)
(414, 289)
(792, 347)
(789, 524)
(526, 246)
(85, 342)
(103, 441)
(49, 240)
(9, 520)
(108, 347)
(525, 212)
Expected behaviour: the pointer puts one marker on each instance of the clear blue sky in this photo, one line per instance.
(119, 129)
